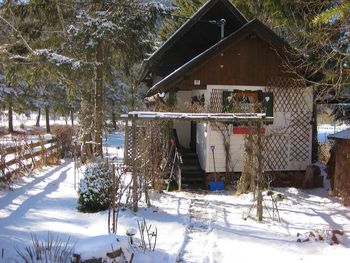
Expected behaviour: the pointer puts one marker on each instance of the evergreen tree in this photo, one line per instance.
(274, 13)
(181, 11)
(112, 34)
(80, 45)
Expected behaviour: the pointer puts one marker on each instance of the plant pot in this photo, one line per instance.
(216, 185)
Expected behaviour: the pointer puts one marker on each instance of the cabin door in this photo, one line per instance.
(193, 142)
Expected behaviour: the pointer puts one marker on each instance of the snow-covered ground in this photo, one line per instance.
(47, 202)
(24, 124)
(30, 120)
(192, 227)
(9, 140)
(113, 146)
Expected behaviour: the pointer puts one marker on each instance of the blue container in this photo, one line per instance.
(216, 186)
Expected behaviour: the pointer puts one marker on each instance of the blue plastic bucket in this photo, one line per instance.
(216, 186)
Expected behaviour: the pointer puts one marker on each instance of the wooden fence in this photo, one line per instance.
(26, 156)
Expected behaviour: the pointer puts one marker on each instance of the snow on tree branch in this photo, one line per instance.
(57, 59)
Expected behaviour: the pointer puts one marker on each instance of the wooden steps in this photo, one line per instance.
(192, 175)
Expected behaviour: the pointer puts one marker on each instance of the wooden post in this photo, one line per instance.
(37, 123)
(134, 166)
(113, 200)
(47, 119)
(126, 142)
(10, 115)
(259, 206)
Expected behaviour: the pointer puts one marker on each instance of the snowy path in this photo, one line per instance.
(217, 231)
(199, 244)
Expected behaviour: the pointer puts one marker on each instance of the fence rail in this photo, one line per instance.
(20, 158)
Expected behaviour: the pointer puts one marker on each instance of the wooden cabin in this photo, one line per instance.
(239, 71)
(339, 164)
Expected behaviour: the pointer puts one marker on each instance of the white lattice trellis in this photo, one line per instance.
(216, 101)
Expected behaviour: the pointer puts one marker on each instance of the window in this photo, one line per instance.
(239, 101)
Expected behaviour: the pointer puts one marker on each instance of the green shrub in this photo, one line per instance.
(95, 188)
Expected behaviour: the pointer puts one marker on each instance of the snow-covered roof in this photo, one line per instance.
(344, 135)
(219, 117)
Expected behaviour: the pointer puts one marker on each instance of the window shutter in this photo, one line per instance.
(268, 100)
(227, 101)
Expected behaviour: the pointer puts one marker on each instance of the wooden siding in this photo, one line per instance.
(251, 61)
(341, 174)
(236, 151)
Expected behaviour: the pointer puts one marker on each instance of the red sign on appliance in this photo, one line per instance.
(246, 130)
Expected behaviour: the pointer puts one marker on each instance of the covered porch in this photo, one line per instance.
(191, 154)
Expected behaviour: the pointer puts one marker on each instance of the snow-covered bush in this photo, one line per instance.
(95, 188)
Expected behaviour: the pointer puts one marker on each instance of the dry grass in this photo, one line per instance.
(324, 152)
(51, 250)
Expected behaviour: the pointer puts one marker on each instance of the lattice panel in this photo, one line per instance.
(300, 136)
(130, 144)
(216, 101)
(276, 152)
(288, 94)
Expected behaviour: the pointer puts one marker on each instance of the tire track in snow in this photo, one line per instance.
(198, 244)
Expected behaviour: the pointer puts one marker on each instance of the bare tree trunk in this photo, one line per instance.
(72, 117)
(114, 121)
(47, 118)
(37, 124)
(86, 120)
(98, 114)
(148, 200)
(10, 113)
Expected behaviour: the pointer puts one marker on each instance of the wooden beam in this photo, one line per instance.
(205, 117)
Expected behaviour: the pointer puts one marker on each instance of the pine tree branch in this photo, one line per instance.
(18, 34)
(60, 16)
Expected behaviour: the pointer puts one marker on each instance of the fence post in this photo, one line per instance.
(113, 199)
(134, 168)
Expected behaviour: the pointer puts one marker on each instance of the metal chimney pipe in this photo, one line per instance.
(222, 23)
